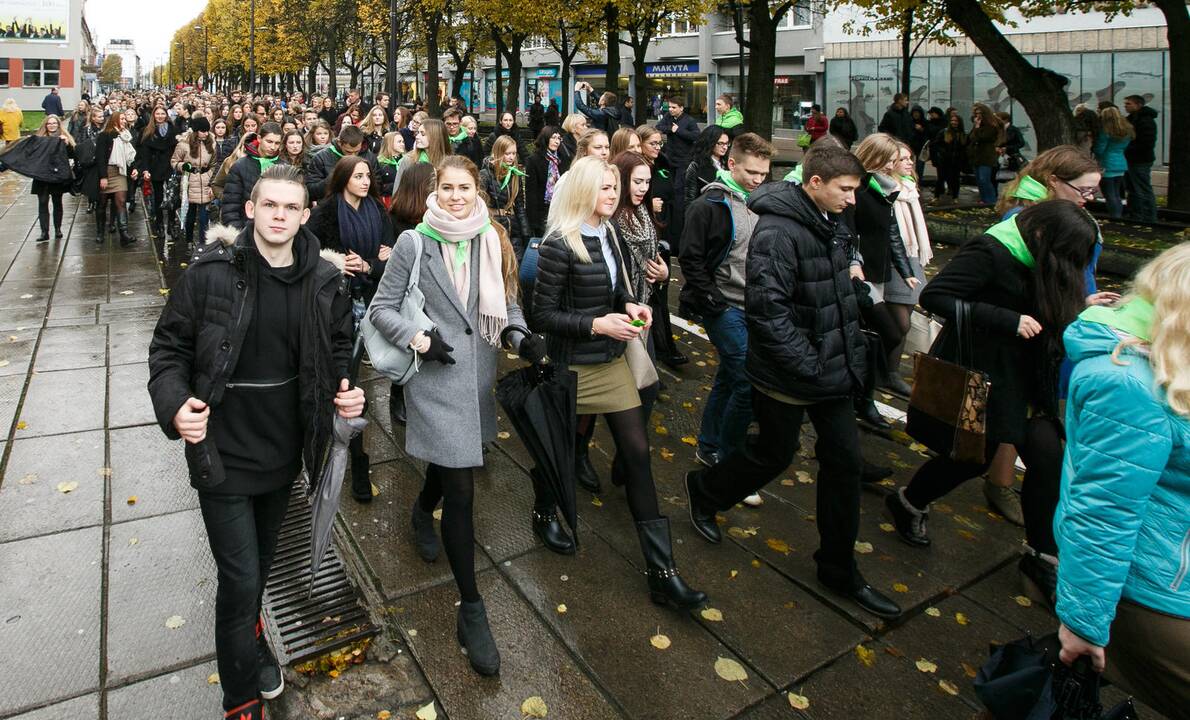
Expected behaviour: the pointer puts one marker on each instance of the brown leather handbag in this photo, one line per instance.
(948, 407)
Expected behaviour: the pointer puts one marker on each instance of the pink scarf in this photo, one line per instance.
(912, 222)
(454, 236)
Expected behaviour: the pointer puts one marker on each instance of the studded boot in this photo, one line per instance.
(666, 587)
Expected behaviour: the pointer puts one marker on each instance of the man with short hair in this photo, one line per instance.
(897, 120)
(52, 103)
(259, 155)
(462, 142)
(1141, 153)
(715, 242)
(680, 131)
(248, 365)
(309, 120)
(318, 171)
(728, 116)
(805, 356)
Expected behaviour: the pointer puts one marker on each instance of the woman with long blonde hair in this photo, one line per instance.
(1115, 134)
(1121, 524)
(625, 140)
(21, 158)
(431, 145)
(583, 302)
(502, 183)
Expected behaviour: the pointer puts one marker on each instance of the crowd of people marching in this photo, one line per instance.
(332, 215)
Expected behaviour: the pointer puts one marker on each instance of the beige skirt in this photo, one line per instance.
(116, 180)
(606, 388)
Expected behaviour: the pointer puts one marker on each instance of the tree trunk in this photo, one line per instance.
(1178, 31)
(515, 67)
(1038, 91)
(611, 76)
(333, 74)
(639, 86)
(907, 52)
(432, 67)
(762, 66)
(499, 77)
(312, 78)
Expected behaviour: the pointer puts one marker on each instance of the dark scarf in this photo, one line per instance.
(162, 129)
(639, 234)
(359, 231)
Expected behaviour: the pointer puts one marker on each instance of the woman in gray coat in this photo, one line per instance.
(468, 276)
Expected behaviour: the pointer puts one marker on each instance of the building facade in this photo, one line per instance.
(41, 47)
(130, 71)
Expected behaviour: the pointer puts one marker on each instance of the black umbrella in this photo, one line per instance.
(540, 403)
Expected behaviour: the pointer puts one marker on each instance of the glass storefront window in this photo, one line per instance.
(1097, 78)
(788, 99)
(693, 89)
(837, 94)
(1143, 73)
(865, 107)
(939, 83)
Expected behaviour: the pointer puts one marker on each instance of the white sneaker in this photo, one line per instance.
(754, 500)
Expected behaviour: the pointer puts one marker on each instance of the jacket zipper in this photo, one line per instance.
(1184, 565)
(259, 385)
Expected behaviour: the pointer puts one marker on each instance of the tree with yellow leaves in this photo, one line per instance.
(641, 22)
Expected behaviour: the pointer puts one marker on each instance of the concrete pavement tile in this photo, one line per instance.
(532, 661)
(378, 444)
(168, 571)
(15, 356)
(26, 318)
(73, 312)
(117, 313)
(63, 402)
(79, 290)
(382, 533)
(128, 340)
(51, 600)
(776, 707)
(29, 294)
(128, 398)
(30, 502)
(150, 466)
(609, 621)
(80, 708)
(10, 395)
(180, 695)
(998, 593)
(71, 348)
(503, 500)
(84, 265)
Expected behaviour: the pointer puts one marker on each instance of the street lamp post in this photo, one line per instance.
(251, 48)
(206, 70)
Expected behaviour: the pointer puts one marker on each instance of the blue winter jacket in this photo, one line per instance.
(1123, 521)
(1109, 151)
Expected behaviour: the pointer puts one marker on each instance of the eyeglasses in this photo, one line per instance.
(1085, 193)
(655, 143)
(722, 144)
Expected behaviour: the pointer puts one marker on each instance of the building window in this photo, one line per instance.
(678, 27)
(41, 73)
(799, 16)
(3, 72)
(536, 42)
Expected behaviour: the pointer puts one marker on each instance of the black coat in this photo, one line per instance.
(844, 129)
(566, 151)
(324, 223)
(1143, 148)
(495, 134)
(240, 180)
(198, 337)
(90, 173)
(45, 159)
(511, 215)
(661, 185)
(318, 168)
(898, 123)
(879, 235)
(536, 175)
(951, 154)
(706, 240)
(999, 290)
(153, 155)
(699, 173)
(569, 295)
(804, 338)
(471, 149)
(680, 135)
(386, 176)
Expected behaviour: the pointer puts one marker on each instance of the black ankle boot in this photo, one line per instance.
(666, 587)
(425, 540)
(58, 233)
(867, 413)
(1039, 575)
(361, 481)
(475, 637)
(584, 471)
(549, 530)
(396, 404)
(122, 224)
(43, 237)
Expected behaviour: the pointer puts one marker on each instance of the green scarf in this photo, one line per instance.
(456, 139)
(875, 185)
(266, 163)
(389, 161)
(335, 150)
(1134, 317)
(795, 175)
(664, 174)
(1009, 236)
(725, 177)
(1030, 190)
(461, 248)
(512, 170)
(423, 156)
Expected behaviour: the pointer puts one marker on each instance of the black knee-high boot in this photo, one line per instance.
(361, 480)
(584, 471)
(101, 221)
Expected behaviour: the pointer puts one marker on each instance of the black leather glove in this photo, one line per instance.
(439, 350)
(533, 349)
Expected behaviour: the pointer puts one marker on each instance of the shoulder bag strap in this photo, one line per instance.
(415, 271)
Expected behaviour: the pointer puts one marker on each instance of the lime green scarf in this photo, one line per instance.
(512, 170)
(456, 139)
(1030, 190)
(725, 177)
(795, 175)
(1134, 317)
(423, 156)
(266, 163)
(461, 248)
(1009, 236)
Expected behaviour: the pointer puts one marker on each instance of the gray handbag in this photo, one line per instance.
(399, 364)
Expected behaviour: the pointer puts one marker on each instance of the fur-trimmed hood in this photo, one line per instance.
(226, 235)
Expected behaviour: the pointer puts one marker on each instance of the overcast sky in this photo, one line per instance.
(149, 25)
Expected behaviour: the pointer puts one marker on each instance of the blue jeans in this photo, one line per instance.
(1113, 188)
(728, 411)
(984, 178)
(199, 212)
(1142, 203)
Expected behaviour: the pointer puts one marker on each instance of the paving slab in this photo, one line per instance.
(503, 501)
(82, 290)
(67, 348)
(11, 387)
(15, 355)
(25, 293)
(51, 603)
(533, 662)
(128, 340)
(128, 400)
(31, 502)
(179, 695)
(11, 319)
(168, 571)
(776, 707)
(152, 468)
(80, 708)
(84, 265)
(63, 402)
(608, 623)
(72, 312)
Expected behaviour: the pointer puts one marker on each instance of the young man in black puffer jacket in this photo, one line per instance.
(805, 355)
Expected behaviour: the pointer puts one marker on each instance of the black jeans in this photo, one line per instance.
(43, 210)
(242, 531)
(1041, 451)
(769, 454)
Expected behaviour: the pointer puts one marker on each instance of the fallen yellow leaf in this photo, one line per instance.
(666, 454)
(503, 435)
(741, 533)
(1023, 601)
(375, 490)
(534, 707)
(213, 679)
(427, 712)
(334, 673)
(900, 587)
(933, 612)
(734, 573)
(788, 482)
(755, 563)
(863, 548)
(661, 430)
(865, 656)
(926, 666)
(596, 502)
(690, 440)
(131, 499)
(67, 487)
(383, 715)
(133, 541)
(948, 687)
(659, 641)
(798, 702)
(730, 670)
(960, 618)
(437, 514)
(968, 670)
(778, 545)
(887, 527)
(28, 479)
(562, 609)
(175, 621)
(804, 477)
(21, 425)
(711, 614)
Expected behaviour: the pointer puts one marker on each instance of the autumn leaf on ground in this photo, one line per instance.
(666, 454)
(969, 670)
(383, 715)
(865, 656)
(132, 541)
(127, 292)
(437, 514)
(734, 573)
(661, 430)
(28, 479)
(863, 548)
(132, 499)
(730, 670)
(427, 712)
(534, 707)
(213, 679)
(21, 425)
(804, 477)
(67, 487)
(596, 502)
(3, 363)
(926, 666)
(1023, 601)
(711, 614)
(562, 609)
(690, 440)
(960, 618)
(503, 435)
(798, 702)
(755, 563)
(933, 612)
(659, 641)
(788, 482)
(741, 533)
(777, 545)
(900, 587)
(375, 490)
(894, 651)
(948, 687)
(175, 621)
(105, 472)
(887, 527)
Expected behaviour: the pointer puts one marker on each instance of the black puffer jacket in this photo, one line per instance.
(699, 173)
(879, 236)
(511, 215)
(569, 295)
(803, 316)
(536, 176)
(199, 335)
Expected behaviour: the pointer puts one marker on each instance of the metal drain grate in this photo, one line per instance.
(303, 624)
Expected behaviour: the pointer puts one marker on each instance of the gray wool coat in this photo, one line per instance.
(451, 409)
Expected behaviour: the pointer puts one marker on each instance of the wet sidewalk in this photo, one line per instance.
(106, 601)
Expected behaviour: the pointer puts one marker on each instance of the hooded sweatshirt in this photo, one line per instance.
(729, 277)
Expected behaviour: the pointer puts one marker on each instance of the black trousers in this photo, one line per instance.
(242, 531)
(43, 209)
(769, 454)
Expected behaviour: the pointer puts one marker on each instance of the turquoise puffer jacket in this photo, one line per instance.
(1109, 151)
(1123, 521)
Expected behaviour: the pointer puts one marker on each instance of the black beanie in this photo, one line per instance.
(200, 124)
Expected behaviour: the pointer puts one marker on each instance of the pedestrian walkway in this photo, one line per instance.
(106, 602)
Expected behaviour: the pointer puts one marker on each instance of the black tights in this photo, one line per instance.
(455, 487)
(891, 322)
(1041, 451)
(632, 463)
(43, 210)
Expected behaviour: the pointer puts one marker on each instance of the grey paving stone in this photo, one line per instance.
(776, 707)
(51, 603)
(84, 265)
(168, 571)
(10, 394)
(12, 319)
(68, 348)
(503, 501)
(150, 466)
(128, 340)
(25, 293)
(128, 400)
(63, 402)
(82, 290)
(71, 312)
(80, 708)
(16, 356)
(30, 502)
(526, 649)
(608, 623)
(180, 695)
(998, 593)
